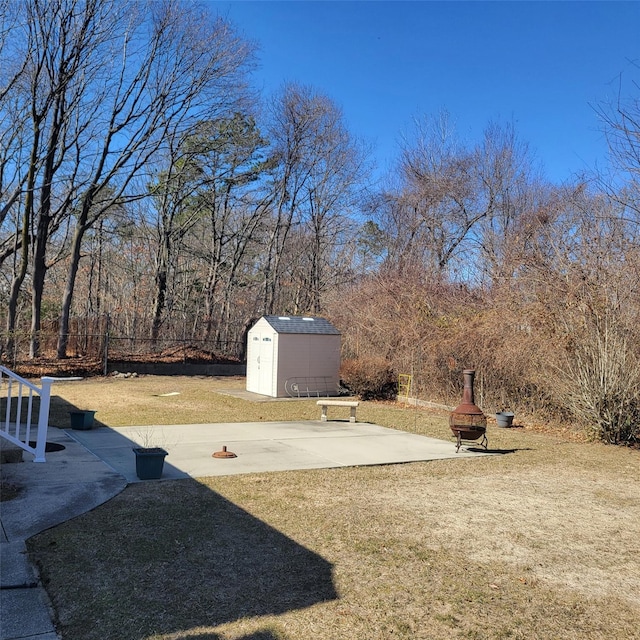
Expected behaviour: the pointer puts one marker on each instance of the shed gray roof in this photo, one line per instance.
(301, 324)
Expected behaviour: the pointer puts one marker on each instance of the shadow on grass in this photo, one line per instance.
(166, 557)
(498, 451)
(60, 413)
(169, 557)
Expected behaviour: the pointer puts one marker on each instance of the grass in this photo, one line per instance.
(540, 543)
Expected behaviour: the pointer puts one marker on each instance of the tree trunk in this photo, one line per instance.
(18, 279)
(67, 297)
(211, 288)
(159, 303)
(161, 278)
(39, 273)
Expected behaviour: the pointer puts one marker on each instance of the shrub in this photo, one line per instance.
(370, 378)
(601, 383)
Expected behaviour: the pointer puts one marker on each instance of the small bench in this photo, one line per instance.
(352, 404)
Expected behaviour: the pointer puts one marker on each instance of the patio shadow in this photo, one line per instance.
(179, 556)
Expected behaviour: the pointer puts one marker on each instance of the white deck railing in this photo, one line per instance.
(16, 419)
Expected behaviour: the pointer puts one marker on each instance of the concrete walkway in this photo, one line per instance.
(97, 464)
(71, 482)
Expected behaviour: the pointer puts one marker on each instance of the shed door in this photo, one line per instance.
(265, 364)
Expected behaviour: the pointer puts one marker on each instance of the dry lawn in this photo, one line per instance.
(538, 543)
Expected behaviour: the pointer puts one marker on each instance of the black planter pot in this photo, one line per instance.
(81, 420)
(149, 462)
(504, 419)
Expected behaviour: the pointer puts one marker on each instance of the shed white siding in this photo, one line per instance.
(293, 356)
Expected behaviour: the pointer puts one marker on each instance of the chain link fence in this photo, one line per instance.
(105, 339)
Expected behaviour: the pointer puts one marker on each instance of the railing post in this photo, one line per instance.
(43, 420)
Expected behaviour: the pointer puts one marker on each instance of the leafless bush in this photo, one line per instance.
(433, 331)
(561, 345)
(601, 386)
(370, 378)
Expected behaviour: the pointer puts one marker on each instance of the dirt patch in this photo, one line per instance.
(69, 367)
(186, 354)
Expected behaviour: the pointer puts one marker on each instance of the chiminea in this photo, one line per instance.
(467, 421)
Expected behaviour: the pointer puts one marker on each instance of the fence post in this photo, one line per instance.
(43, 419)
(105, 357)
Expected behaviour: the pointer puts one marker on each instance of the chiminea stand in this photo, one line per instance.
(463, 436)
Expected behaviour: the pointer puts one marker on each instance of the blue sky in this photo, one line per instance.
(540, 65)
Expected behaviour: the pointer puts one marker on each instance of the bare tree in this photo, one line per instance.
(69, 41)
(576, 292)
(317, 168)
(13, 115)
(228, 155)
(451, 208)
(169, 66)
(440, 190)
(291, 134)
(621, 120)
(334, 194)
(31, 98)
(511, 188)
(175, 213)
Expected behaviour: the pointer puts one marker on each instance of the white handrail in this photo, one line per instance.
(16, 430)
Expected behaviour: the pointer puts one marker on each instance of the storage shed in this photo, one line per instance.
(293, 356)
